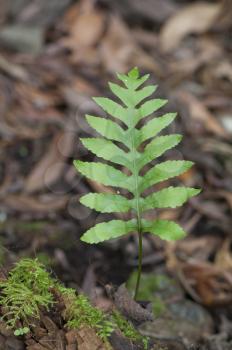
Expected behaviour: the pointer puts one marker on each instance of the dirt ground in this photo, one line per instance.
(56, 55)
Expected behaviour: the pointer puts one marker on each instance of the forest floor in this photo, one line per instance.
(54, 57)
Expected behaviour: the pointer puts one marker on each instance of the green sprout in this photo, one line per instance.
(129, 133)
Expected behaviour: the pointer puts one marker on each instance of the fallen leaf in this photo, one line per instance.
(49, 169)
(85, 25)
(119, 51)
(208, 282)
(213, 285)
(223, 258)
(192, 19)
(227, 195)
(85, 339)
(13, 70)
(200, 113)
(43, 204)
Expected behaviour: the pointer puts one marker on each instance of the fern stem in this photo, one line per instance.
(138, 209)
(139, 264)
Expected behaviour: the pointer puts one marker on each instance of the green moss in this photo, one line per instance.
(128, 329)
(79, 312)
(29, 289)
(25, 292)
(45, 259)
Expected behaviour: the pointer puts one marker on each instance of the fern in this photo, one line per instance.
(130, 113)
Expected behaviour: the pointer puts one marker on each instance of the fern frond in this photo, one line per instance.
(108, 230)
(163, 171)
(131, 107)
(165, 229)
(106, 202)
(170, 197)
(104, 174)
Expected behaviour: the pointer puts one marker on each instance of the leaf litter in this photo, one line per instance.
(44, 95)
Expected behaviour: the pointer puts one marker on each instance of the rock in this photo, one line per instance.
(35, 13)
(178, 321)
(22, 38)
(153, 10)
(194, 313)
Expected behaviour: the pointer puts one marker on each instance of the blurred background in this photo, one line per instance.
(54, 56)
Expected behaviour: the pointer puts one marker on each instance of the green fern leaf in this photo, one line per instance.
(157, 147)
(131, 82)
(132, 110)
(106, 202)
(103, 173)
(170, 197)
(131, 99)
(154, 126)
(108, 230)
(107, 128)
(163, 171)
(107, 150)
(165, 229)
(113, 108)
(150, 107)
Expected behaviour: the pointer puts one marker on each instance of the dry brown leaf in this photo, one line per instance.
(107, 40)
(209, 283)
(85, 25)
(206, 50)
(224, 21)
(13, 125)
(194, 18)
(218, 74)
(49, 169)
(119, 50)
(42, 204)
(199, 249)
(228, 197)
(201, 114)
(13, 70)
(223, 259)
(28, 94)
(85, 339)
(213, 285)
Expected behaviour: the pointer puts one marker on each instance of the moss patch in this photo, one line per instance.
(29, 289)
